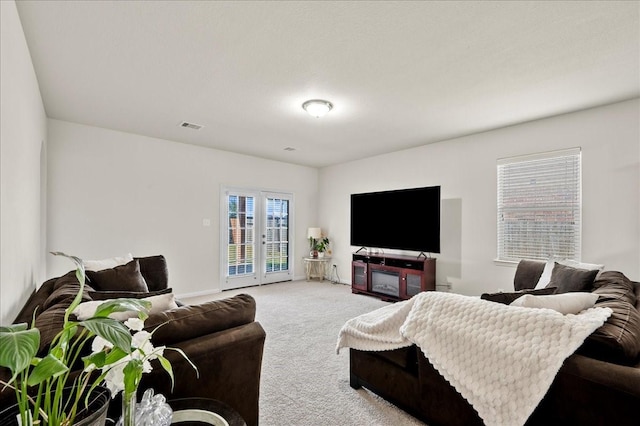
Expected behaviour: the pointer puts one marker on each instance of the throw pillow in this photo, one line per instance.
(507, 298)
(121, 278)
(566, 303)
(106, 295)
(569, 279)
(112, 262)
(160, 303)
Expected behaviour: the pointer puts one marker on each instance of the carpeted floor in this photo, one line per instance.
(304, 382)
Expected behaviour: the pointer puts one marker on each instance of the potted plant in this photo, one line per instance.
(322, 246)
(46, 391)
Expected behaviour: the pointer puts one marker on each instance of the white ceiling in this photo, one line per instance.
(400, 74)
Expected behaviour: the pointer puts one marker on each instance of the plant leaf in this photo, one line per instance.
(18, 346)
(132, 375)
(48, 367)
(121, 305)
(167, 367)
(110, 330)
(180, 351)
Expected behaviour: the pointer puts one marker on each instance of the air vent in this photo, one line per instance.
(191, 125)
(289, 149)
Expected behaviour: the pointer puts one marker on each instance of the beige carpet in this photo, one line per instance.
(303, 381)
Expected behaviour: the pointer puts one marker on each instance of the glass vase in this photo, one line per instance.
(128, 409)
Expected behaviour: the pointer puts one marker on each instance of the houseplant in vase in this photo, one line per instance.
(46, 390)
(322, 246)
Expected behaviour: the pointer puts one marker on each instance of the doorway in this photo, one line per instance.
(255, 230)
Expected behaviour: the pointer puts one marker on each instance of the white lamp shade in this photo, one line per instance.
(314, 233)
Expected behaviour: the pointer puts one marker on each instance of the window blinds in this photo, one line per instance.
(539, 206)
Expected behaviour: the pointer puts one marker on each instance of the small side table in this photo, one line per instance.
(316, 267)
(198, 411)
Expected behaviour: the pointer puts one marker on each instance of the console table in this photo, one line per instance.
(392, 277)
(316, 267)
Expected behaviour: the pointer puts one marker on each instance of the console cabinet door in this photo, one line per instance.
(359, 275)
(413, 282)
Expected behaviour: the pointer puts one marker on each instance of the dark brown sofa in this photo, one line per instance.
(597, 385)
(220, 337)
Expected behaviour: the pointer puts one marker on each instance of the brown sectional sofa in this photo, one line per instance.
(597, 385)
(220, 337)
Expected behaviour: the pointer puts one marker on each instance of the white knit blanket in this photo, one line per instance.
(501, 359)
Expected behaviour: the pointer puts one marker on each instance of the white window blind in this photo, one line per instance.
(539, 206)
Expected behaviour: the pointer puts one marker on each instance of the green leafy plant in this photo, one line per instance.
(322, 244)
(40, 382)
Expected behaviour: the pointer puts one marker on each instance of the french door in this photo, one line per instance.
(255, 230)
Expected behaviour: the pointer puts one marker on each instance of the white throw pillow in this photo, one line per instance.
(159, 303)
(565, 303)
(101, 265)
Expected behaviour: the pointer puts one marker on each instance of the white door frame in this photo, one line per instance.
(259, 274)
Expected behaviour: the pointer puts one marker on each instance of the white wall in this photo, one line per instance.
(466, 169)
(111, 193)
(22, 155)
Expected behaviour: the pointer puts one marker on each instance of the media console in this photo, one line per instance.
(392, 277)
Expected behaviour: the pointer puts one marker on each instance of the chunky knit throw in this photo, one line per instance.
(500, 358)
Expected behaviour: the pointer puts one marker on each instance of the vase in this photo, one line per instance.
(320, 254)
(128, 409)
(95, 414)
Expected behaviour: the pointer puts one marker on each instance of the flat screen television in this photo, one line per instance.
(403, 219)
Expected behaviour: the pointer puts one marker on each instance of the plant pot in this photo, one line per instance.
(93, 415)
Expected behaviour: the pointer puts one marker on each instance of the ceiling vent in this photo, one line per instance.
(191, 125)
(289, 149)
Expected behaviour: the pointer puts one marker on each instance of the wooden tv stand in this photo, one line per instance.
(392, 277)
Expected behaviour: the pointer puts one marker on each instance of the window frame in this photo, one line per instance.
(558, 196)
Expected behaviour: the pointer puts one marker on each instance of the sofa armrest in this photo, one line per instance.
(229, 363)
(587, 391)
(615, 377)
(191, 321)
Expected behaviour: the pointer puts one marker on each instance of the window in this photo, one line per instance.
(539, 206)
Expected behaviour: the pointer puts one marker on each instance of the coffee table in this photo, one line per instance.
(204, 411)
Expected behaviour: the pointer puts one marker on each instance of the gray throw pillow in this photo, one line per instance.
(568, 279)
(121, 278)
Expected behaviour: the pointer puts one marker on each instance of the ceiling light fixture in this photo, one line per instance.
(317, 107)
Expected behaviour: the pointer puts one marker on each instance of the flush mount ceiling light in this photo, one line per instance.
(317, 107)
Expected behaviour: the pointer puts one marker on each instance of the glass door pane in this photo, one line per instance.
(256, 247)
(276, 238)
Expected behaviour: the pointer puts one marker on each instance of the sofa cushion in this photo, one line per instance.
(50, 322)
(121, 278)
(507, 298)
(106, 295)
(569, 279)
(65, 289)
(565, 303)
(618, 339)
(190, 321)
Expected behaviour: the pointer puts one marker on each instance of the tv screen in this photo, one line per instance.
(404, 219)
